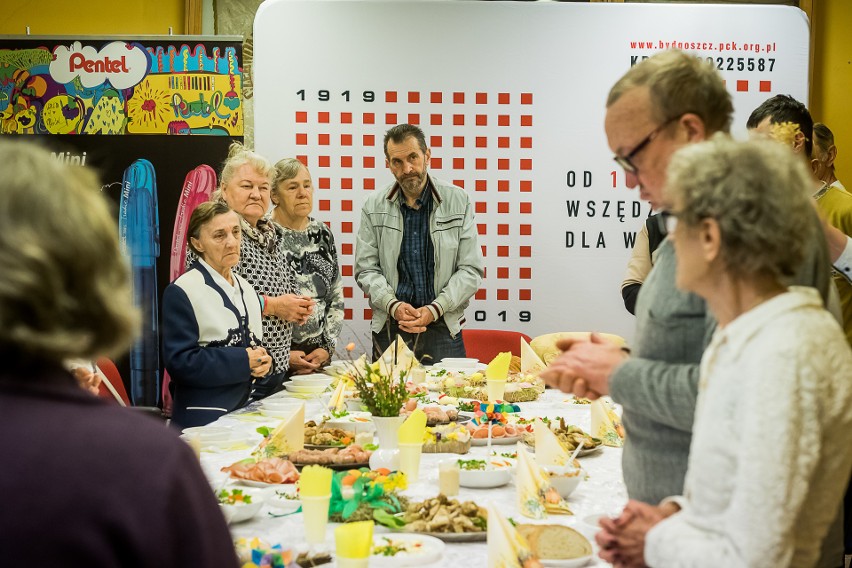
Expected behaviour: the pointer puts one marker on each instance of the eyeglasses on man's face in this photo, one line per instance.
(626, 161)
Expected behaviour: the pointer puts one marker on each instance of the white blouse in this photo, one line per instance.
(771, 454)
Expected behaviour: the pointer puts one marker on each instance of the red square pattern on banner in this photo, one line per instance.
(742, 85)
(368, 314)
(484, 251)
(458, 125)
(765, 86)
(304, 159)
(347, 313)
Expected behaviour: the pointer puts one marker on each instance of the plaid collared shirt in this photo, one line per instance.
(416, 264)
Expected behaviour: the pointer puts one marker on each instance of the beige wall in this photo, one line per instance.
(92, 17)
(831, 91)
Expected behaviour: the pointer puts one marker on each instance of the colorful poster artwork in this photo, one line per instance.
(120, 87)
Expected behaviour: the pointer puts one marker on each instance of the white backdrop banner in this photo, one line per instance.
(511, 97)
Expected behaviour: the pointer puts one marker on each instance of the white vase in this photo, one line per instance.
(387, 455)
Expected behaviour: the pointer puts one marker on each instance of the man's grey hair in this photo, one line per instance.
(680, 83)
(757, 191)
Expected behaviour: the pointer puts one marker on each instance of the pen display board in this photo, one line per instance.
(511, 97)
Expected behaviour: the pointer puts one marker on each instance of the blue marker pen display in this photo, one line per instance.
(139, 232)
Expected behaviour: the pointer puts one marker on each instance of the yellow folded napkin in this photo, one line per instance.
(397, 359)
(288, 437)
(606, 424)
(315, 481)
(412, 430)
(354, 540)
(338, 397)
(548, 450)
(536, 497)
(531, 363)
(506, 547)
(498, 368)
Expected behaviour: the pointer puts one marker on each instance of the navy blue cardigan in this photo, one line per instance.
(204, 346)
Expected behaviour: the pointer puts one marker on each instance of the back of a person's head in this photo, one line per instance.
(823, 139)
(758, 192)
(64, 285)
(782, 109)
(680, 83)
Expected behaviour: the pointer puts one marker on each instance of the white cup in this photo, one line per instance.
(315, 513)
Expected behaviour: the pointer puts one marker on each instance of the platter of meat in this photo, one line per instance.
(268, 472)
(351, 457)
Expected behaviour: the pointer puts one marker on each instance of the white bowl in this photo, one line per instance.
(276, 499)
(348, 423)
(207, 434)
(459, 362)
(243, 512)
(353, 404)
(485, 478)
(312, 380)
(304, 389)
(564, 479)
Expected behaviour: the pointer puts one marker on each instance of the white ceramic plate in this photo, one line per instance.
(304, 389)
(208, 433)
(468, 370)
(263, 484)
(239, 513)
(315, 379)
(504, 441)
(278, 412)
(459, 362)
(569, 563)
(430, 550)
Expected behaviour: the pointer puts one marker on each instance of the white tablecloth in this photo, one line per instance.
(603, 491)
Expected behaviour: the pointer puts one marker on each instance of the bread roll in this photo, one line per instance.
(555, 542)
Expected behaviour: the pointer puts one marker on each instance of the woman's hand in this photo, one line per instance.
(318, 357)
(300, 364)
(87, 379)
(293, 308)
(622, 540)
(260, 362)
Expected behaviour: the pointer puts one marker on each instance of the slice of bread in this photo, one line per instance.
(555, 542)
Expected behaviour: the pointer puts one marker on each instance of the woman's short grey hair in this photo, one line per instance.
(202, 215)
(285, 170)
(757, 191)
(680, 83)
(238, 156)
(64, 284)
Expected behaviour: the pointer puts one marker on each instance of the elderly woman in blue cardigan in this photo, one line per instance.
(212, 323)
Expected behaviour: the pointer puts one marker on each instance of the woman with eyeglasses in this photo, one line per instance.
(770, 457)
(212, 326)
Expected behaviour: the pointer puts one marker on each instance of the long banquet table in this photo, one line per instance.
(603, 492)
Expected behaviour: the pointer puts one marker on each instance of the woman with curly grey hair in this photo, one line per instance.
(245, 185)
(84, 483)
(770, 458)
